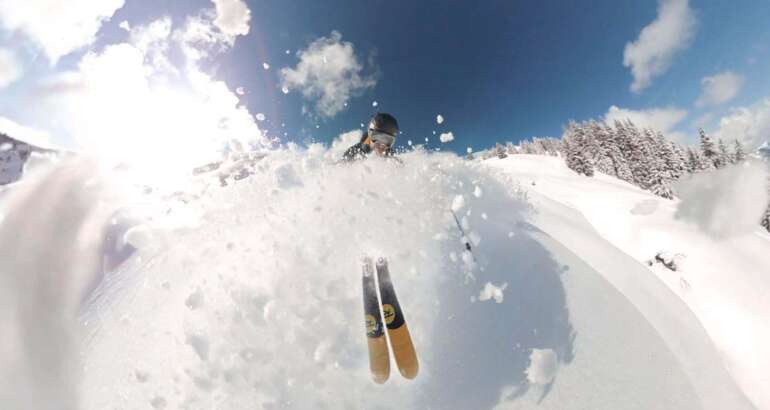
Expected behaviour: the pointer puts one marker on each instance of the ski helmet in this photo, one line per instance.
(383, 123)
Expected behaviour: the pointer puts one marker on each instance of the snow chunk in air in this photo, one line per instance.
(458, 203)
(446, 137)
(491, 291)
(439, 119)
(542, 366)
(260, 117)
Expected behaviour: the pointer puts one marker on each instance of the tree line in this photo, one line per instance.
(641, 156)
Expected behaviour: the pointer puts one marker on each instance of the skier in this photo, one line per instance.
(379, 138)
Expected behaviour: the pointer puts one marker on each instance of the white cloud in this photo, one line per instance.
(56, 26)
(719, 88)
(155, 34)
(200, 38)
(725, 202)
(750, 125)
(704, 120)
(446, 137)
(152, 40)
(233, 17)
(10, 68)
(652, 53)
(659, 119)
(328, 73)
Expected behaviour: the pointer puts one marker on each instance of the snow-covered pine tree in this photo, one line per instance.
(708, 151)
(681, 159)
(765, 220)
(615, 153)
(552, 146)
(598, 144)
(657, 156)
(510, 149)
(673, 160)
(693, 160)
(575, 150)
(723, 157)
(639, 154)
(740, 154)
(500, 151)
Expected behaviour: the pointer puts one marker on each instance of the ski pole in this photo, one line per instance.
(462, 231)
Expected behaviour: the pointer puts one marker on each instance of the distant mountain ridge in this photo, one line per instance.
(14, 155)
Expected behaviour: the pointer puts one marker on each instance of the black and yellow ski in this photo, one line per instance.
(380, 312)
(398, 332)
(379, 358)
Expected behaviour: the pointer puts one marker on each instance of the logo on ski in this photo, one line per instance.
(372, 327)
(385, 307)
(389, 312)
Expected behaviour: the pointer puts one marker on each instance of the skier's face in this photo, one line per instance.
(380, 142)
(379, 148)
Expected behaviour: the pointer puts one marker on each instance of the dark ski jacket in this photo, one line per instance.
(356, 152)
(361, 150)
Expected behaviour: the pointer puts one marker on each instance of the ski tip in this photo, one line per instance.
(380, 378)
(410, 373)
(366, 266)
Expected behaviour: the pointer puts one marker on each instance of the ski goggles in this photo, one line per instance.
(379, 137)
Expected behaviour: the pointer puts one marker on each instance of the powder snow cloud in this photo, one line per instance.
(726, 202)
(719, 88)
(652, 53)
(659, 119)
(328, 73)
(57, 27)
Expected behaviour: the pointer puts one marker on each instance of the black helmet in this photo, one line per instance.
(383, 122)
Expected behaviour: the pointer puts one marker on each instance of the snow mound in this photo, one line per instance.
(259, 305)
(722, 283)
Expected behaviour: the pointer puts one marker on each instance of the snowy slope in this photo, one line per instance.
(724, 282)
(248, 296)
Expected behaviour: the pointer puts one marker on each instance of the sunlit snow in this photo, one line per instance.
(246, 292)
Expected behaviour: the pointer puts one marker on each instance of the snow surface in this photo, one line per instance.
(248, 295)
(724, 279)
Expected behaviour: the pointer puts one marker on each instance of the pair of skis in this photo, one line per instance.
(391, 317)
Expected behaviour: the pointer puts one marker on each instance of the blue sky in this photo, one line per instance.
(495, 70)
